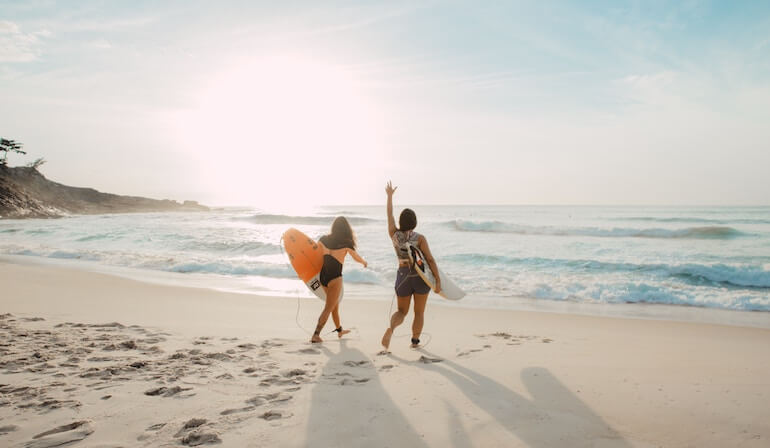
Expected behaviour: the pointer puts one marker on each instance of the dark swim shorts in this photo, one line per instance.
(408, 283)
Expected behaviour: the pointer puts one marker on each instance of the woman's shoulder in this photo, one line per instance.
(406, 236)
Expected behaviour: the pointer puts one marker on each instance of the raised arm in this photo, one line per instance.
(422, 243)
(390, 189)
(357, 257)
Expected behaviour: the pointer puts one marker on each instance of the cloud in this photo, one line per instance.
(17, 46)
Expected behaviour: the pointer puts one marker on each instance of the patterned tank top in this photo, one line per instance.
(401, 239)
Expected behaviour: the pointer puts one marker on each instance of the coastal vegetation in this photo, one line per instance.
(27, 193)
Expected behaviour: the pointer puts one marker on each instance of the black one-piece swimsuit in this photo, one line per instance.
(330, 270)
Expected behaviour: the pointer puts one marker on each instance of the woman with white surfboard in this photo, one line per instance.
(408, 283)
(336, 246)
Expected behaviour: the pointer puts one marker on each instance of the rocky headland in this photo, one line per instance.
(26, 193)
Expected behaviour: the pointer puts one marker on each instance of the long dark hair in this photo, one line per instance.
(341, 235)
(407, 220)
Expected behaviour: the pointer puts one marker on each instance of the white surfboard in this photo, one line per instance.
(449, 290)
(314, 285)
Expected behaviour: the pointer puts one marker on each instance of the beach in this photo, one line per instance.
(584, 184)
(99, 360)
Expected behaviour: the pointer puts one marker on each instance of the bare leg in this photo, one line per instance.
(337, 323)
(332, 297)
(396, 319)
(420, 301)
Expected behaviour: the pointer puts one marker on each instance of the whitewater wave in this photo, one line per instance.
(366, 277)
(263, 270)
(230, 246)
(693, 220)
(308, 220)
(738, 276)
(640, 292)
(708, 232)
(96, 237)
(224, 268)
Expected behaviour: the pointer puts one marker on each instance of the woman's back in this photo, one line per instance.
(337, 249)
(401, 239)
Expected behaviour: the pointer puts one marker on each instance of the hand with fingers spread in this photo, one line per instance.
(390, 189)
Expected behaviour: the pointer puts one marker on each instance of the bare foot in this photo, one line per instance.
(316, 339)
(342, 332)
(386, 338)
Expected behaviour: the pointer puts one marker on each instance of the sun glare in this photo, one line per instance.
(275, 131)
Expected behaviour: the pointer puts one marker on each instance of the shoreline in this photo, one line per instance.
(140, 364)
(220, 283)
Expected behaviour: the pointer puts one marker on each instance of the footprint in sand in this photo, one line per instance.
(511, 339)
(63, 435)
(192, 433)
(308, 351)
(168, 391)
(51, 404)
(238, 410)
(190, 424)
(426, 360)
(356, 363)
(347, 379)
(271, 343)
(156, 427)
(273, 415)
(275, 397)
(197, 438)
(353, 381)
(7, 429)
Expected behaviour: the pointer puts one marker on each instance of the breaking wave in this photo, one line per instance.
(711, 232)
(742, 276)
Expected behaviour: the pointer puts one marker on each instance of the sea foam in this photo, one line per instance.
(505, 227)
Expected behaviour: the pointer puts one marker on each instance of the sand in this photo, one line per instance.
(94, 360)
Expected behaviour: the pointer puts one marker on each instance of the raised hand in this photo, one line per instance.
(390, 189)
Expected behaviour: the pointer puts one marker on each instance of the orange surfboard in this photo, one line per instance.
(306, 257)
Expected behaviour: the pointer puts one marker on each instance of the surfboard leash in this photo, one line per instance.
(390, 314)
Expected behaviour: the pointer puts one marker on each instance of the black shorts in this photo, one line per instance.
(408, 282)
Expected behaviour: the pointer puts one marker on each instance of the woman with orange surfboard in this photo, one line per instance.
(408, 282)
(336, 246)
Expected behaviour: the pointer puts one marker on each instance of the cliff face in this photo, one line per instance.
(25, 193)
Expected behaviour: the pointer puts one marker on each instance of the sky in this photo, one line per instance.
(283, 104)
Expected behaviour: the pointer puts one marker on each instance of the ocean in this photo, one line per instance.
(503, 256)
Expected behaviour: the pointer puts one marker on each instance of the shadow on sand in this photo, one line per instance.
(354, 389)
(553, 417)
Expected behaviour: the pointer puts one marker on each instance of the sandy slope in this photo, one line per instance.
(98, 360)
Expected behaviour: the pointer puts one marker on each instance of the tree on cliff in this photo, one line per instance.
(7, 146)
